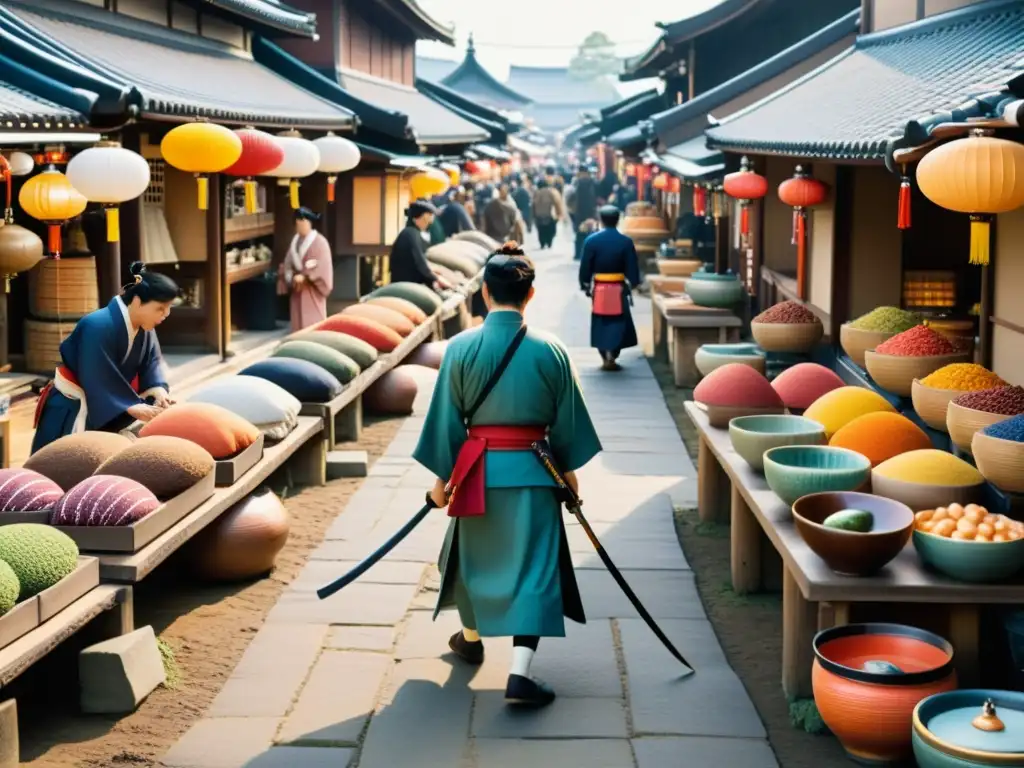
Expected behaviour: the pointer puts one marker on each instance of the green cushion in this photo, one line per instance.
(462, 264)
(420, 295)
(343, 368)
(357, 350)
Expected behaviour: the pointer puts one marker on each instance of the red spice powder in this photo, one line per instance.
(919, 341)
(786, 312)
(1005, 401)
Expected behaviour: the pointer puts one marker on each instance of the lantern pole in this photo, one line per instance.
(112, 276)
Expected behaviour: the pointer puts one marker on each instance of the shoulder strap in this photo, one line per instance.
(493, 381)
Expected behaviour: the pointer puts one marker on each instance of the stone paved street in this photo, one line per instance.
(365, 678)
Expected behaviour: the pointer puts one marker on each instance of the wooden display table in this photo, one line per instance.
(681, 327)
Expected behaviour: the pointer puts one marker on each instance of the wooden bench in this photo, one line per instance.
(680, 327)
(813, 597)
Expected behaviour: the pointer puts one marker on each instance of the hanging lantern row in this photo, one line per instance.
(802, 192)
(301, 159)
(201, 148)
(110, 175)
(20, 249)
(261, 154)
(660, 182)
(746, 186)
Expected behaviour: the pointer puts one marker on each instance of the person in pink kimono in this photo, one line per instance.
(306, 273)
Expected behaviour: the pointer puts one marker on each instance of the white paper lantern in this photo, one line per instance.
(301, 159)
(21, 163)
(337, 155)
(109, 174)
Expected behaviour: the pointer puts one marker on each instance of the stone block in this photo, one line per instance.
(665, 594)
(317, 573)
(116, 675)
(379, 639)
(9, 748)
(304, 757)
(566, 718)
(358, 604)
(223, 742)
(342, 464)
(700, 751)
(519, 753)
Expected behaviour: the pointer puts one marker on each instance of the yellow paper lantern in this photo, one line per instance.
(50, 198)
(427, 184)
(202, 149)
(980, 175)
(454, 173)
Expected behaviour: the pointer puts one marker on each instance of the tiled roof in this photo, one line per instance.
(851, 107)
(689, 160)
(22, 110)
(554, 118)
(434, 70)
(270, 13)
(628, 138)
(632, 112)
(471, 79)
(554, 85)
(494, 123)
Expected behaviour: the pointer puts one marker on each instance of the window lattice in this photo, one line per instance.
(154, 194)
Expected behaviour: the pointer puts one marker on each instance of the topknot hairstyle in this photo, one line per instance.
(509, 275)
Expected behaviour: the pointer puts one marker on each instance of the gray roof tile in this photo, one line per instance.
(18, 107)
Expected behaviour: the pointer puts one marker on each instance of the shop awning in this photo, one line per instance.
(166, 73)
(690, 160)
(528, 148)
(872, 94)
(491, 153)
(628, 138)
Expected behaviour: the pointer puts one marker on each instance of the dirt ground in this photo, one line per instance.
(748, 627)
(207, 628)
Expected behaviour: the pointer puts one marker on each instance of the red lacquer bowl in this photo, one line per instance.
(871, 712)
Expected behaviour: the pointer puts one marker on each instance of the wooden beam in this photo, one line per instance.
(842, 257)
(215, 283)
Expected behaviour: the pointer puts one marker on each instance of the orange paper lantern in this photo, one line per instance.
(802, 192)
(50, 198)
(660, 182)
(745, 185)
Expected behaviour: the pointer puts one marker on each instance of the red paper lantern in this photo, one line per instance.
(745, 185)
(802, 192)
(660, 182)
(674, 185)
(700, 201)
(261, 153)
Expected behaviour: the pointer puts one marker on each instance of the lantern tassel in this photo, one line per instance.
(903, 215)
(203, 191)
(744, 220)
(330, 188)
(979, 239)
(53, 240)
(293, 192)
(796, 225)
(801, 255)
(113, 223)
(250, 196)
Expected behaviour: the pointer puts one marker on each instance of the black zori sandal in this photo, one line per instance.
(471, 653)
(527, 692)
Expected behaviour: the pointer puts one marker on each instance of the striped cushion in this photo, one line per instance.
(22, 490)
(104, 500)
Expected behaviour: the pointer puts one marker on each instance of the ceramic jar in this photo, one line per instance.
(969, 729)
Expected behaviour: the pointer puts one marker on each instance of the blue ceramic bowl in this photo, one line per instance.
(944, 735)
(975, 561)
(711, 290)
(708, 357)
(793, 471)
(751, 436)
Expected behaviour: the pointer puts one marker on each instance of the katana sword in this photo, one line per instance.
(376, 557)
(574, 504)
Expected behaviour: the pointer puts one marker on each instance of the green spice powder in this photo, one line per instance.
(887, 320)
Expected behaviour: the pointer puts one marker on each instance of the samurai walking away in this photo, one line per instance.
(609, 270)
(307, 272)
(111, 370)
(505, 564)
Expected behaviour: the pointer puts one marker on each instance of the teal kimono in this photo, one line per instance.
(509, 572)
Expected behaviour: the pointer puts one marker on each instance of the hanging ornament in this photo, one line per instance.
(110, 175)
(52, 199)
(717, 204)
(301, 159)
(21, 163)
(980, 175)
(903, 212)
(630, 169)
(674, 185)
(802, 192)
(260, 155)
(201, 148)
(337, 155)
(746, 186)
(700, 201)
(660, 182)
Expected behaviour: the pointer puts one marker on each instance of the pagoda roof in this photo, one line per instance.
(473, 80)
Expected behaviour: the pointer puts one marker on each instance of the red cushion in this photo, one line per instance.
(378, 336)
(104, 500)
(391, 318)
(218, 430)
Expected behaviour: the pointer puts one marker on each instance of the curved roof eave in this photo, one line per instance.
(686, 29)
(426, 26)
(272, 14)
(469, 66)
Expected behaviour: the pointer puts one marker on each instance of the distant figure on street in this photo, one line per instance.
(609, 271)
(585, 204)
(547, 210)
(307, 272)
(409, 251)
(500, 216)
(455, 218)
(523, 197)
(505, 564)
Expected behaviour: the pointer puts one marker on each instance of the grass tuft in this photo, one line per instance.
(803, 714)
(171, 669)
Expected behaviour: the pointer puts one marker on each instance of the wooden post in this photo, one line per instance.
(964, 628)
(111, 274)
(745, 545)
(799, 621)
(9, 748)
(218, 311)
(712, 485)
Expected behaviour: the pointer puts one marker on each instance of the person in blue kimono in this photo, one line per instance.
(609, 271)
(505, 564)
(111, 371)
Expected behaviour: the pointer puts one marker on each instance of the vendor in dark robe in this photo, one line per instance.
(609, 271)
(409, 251)
(454, 217)
(111, 371)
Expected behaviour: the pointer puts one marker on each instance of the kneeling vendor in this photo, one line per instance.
(111, 364)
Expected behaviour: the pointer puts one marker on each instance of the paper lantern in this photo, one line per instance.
(20, 250)
(700, 201)
(980, 175)
(802, 192)
(427, 184)
(301, 159)
(337, 155)
(201, 148)
(21, 163)
(745, 185)
(109, 174)
(674, 185)
(260, 155)
(52, 199)
(660, 182)
(454, 173)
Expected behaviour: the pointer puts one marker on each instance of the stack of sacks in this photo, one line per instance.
(22, 490)
(377, 335)
(215, 429)
(420, 295)
(457, 279)
(341, 367)
(104, 500)
(167, 466)
(485, 241)
(33, 558)
(403, 306)
(459, 256)
(305, 381)
(389, 318)
(271, 409)
(72, 458)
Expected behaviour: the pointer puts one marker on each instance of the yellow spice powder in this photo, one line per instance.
(929, 466)
(963, 377)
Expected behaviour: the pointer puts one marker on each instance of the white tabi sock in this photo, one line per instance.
(522, 657)
(471, 635)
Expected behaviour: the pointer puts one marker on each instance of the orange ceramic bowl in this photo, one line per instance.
(871, 711)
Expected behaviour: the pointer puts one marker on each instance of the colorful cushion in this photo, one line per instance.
(839, 407)
(390, 318)
(104, 500)
(380, 337)
(222, 433)
(341, 367)
(22, 490)
(362, 353)
(258, 401)
(420, 295)
(804, 383)
(303, 380)
(166, 465)
(407, 308)
(72, 458)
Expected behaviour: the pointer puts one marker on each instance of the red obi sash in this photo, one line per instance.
(70, 378)
(607, 294)
(467, 485)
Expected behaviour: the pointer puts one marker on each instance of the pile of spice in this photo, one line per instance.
(1011, 429)
(930, 467)
(963, 377)
(787, 312)
(1005, 401)
(887, 320)
(919, 341)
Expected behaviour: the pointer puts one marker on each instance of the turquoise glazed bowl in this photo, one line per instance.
(753, 435)
(946, 732)
(975, 561)
(708, 357)
(793, 471)
(711, 290)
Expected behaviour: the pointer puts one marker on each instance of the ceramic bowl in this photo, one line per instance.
(962, 423)
(678, 267)
(980, 562)
(856, 342)
(871, 712)
(1000, 461)
(787, 337)
(710, 290)
(720, 415)
(708, 357)
(945, 736)
(923, 495)
(793, 471)
(931, 404)
(849, 552)
(896, 373)
(751, 436)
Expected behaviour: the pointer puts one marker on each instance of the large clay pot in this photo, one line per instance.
(244, 542)
(393, 394)
(429, 355)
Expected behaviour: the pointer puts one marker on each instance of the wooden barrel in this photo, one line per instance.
(42, 344)
(64, 288)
